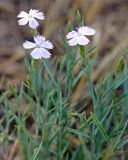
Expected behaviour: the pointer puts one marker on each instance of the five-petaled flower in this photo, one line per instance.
(39, 47)
(30, 18)
(79, 37)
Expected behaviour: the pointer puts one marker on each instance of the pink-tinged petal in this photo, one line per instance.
(29, 45)
(82, 40)
(22, 14)
(33, 23)
(23, 21)
(73, 41)
(71, 34)
(47, 44)
(36, 53)
(86, 31)
(39, 15)
(33, 11)
(45, 53)
(39, 39)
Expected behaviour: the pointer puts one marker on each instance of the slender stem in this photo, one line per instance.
(48, 69)
(87, 69)
(85, 60)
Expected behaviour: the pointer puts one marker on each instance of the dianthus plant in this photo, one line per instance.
(39, 49)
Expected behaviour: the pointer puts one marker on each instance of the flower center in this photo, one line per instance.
(80, 34)
(30, 16)
(38, 46)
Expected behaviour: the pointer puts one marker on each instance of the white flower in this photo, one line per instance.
(39, 47)
(79, 37)
(30, 18)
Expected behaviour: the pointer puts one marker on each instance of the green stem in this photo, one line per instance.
(34, 32)
(87, 69)
(85, 60)
(50, 72)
